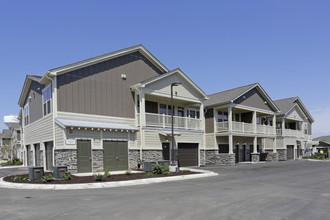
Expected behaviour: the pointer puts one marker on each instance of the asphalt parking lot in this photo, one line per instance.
(283, 190)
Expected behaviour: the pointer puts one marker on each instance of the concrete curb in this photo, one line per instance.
(6, 167)
(317, 160)
(203, 174)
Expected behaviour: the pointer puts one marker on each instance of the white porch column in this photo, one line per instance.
(201, 116)
(142, 109)
(255, 149)
(230, 119)
(274, 145)
(254, 121)
(283, 127)
(230, 139)
(274, 124)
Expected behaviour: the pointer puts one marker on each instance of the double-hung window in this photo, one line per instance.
(26, 115)
(47, 97)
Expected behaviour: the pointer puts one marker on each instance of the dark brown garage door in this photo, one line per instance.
(290, 152)
(188, 154)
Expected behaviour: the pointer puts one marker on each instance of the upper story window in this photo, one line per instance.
(222, 116)
(46, 98)
(193, 113)
(162, 109)
(305, 128)
(26, 115)
(180, 111)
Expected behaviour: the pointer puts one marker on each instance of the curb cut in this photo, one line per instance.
(10, 185)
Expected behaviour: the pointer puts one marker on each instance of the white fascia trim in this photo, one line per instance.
(98, 59)
(306, 112)
(270, 101)
(248, 108)
(184, 76)
(182, 131)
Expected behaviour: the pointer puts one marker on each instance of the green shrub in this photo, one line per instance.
(167, 173)
(47, 178)
(185, 171)
(67, 176)
(98, 177)
(17, 178)
(158, 169)
(128, 172)
(107, 173)
(148, 175)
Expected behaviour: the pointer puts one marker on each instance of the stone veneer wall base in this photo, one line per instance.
(255, 157)
(271, 156)
(281, 154)
(212, 157)
(66, 158)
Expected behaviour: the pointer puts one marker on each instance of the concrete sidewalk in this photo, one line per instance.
(203, 174)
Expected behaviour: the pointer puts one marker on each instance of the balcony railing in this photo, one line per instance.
(291, 133)
(242, 127)
(164, 121)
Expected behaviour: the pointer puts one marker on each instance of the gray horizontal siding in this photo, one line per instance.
(40, 131)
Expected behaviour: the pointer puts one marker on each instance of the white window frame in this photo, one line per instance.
(49, 107)
(195, 110)
(26, 116)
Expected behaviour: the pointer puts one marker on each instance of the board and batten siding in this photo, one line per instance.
(100, 90)
(40, 131)
(253, 98)
(209, 120)
(35, 102)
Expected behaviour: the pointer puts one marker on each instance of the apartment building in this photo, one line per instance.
(111, 112)
(236, 122)
(114, 112)
(293, 128)
(13, 136)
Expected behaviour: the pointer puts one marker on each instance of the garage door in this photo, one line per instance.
(115, 155)
(290, 152)
(188, 154)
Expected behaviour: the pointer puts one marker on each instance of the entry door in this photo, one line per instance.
(84, 156)
(236, 153)
(37, 154)
(28, 156)
(251, 151)
(49, 155)
(166, 151)
(115, 155)
(290, 152)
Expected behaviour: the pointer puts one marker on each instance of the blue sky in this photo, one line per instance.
(283, 45)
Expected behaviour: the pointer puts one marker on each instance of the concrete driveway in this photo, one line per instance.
(284, 190)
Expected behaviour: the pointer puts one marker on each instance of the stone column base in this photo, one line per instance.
(255, 157)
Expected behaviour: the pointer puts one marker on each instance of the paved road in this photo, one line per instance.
(284, 190)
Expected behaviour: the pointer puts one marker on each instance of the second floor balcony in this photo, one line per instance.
(246, 128)
(165, 121)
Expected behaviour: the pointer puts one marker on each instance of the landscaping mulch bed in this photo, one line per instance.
(90, 179)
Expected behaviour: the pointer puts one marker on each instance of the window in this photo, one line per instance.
(47, 96)
(236, 117)
(180, 111)
(193, 114)
(305, 128)
(223, 148)
(169, 112)
(162, 109)
(222, 116)
(26, 115)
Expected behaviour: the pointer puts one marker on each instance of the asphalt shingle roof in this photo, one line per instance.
(285, 104)
(325, 139)
(228, 95)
